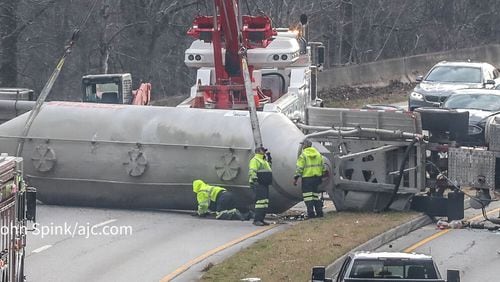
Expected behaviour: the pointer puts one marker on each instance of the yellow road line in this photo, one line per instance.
(426, 240)
(194, 261)
(441, 233)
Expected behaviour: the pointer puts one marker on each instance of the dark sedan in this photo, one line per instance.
(480, 103)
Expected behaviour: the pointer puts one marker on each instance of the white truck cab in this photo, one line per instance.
(386, 266)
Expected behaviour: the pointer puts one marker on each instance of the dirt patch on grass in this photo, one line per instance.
(290, 255)
(356, 97)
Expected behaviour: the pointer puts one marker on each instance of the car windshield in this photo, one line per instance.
(485, 102)
(455, 74)
(393, 269)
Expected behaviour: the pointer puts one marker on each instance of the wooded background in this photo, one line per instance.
(148, 38)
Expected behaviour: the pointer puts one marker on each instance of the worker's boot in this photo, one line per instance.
(258, 223)
(318, 206)
(259, 217)
(310, 209)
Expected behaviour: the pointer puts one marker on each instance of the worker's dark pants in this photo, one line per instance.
(261, 200)
(225, 207)
(311, 196)
(225, 201)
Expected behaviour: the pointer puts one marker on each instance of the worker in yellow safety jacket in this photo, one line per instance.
(260, 177)
(215, 199)
(310, 166)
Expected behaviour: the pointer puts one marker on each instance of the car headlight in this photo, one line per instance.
(416, 96)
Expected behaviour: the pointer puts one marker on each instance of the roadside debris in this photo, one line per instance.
(293, 217)
(460, 224)
(454, 224)
(290, 215)
(207, 267)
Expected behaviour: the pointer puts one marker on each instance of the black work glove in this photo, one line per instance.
(268, 157)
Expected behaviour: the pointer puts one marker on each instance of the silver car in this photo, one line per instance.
(446, 77)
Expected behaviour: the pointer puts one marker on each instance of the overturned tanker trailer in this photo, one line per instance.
(127, 156)
(147, 157)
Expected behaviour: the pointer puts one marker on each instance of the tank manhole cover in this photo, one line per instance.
(136, 163)
(44, 158)
(227, 167)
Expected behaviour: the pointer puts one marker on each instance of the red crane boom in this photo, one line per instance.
(229, 32)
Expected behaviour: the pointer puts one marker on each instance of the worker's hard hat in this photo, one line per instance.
(260, 150)
(197, 184)
(306, 143)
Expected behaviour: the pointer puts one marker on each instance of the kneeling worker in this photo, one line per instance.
(214, 198)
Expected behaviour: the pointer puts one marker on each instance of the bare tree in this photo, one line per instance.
(148, 38)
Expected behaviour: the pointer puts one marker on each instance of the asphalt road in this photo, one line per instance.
(472, 251)
(150, 246)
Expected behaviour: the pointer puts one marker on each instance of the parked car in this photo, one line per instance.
(387, 266)
(445, 77)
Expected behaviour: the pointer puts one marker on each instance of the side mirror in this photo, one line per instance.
(319, 274)
(453, 275)
(490, 81)
(419, 78)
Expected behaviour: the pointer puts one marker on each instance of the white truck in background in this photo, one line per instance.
(386, 266)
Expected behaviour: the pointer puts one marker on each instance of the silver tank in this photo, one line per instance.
(147, 157)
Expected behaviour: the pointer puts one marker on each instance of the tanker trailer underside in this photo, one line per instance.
(369, 149)
(147, 157)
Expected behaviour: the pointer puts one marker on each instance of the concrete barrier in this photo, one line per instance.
(405, 69)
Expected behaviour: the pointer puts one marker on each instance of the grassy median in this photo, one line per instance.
(289, 255)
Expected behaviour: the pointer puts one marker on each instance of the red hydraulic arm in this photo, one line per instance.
(225, 32)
